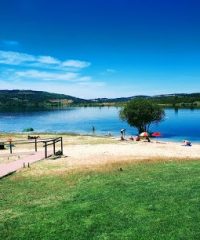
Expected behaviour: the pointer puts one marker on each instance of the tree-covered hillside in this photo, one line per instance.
(168, 100)
(20, 99)
(35, 99)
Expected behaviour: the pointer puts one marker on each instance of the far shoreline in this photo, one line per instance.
(106, 136)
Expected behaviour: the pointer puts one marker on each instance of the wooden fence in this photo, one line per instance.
(46, 142)
(53, 142)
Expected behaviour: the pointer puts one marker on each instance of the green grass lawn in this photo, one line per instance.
(144, 201)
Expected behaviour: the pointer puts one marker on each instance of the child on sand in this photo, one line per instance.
(187, 143)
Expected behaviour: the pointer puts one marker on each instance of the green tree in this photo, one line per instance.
(141, 113)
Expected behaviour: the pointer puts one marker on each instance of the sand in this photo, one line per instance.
(92, 150)
(133, 151)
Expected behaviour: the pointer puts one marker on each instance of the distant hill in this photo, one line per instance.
(121, 99)
(36, 99)
(178, 100)
(168, 100)
(20, 99)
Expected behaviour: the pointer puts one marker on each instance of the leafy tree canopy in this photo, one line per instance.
(141, 113)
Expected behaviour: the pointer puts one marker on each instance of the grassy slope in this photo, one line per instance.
(144, 201)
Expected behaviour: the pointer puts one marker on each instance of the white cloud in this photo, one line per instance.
(36, 75)
(75, 64)
(15, 58)
(23, 68)
(85, 79)
(46, 76)
(24, 59)
(48, 60)
(47, 73)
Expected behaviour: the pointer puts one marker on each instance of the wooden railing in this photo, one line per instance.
(47, 142)
(53, 142)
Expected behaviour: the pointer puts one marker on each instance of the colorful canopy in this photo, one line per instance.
(144, 134)
(156, 134)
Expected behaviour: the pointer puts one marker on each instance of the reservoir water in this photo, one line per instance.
(178, 124)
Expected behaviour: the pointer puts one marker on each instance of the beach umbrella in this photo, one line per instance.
(156, 134)
(144, 134)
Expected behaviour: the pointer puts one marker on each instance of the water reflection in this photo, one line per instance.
(176, 111)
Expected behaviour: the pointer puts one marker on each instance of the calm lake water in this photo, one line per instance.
(178, 125)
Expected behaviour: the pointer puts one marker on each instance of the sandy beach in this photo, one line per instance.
(128, 151)
(93, 150)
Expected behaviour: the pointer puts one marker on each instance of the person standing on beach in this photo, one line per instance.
(123, 134)
(93, 129)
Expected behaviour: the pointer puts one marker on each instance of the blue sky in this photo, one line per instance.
(100, 48)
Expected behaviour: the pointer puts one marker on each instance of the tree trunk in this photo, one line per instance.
(141, 129)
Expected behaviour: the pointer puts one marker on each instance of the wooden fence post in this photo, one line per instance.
(10, 143)
(45, 145)
(35, 144)
(61, 141)
(54, 147)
